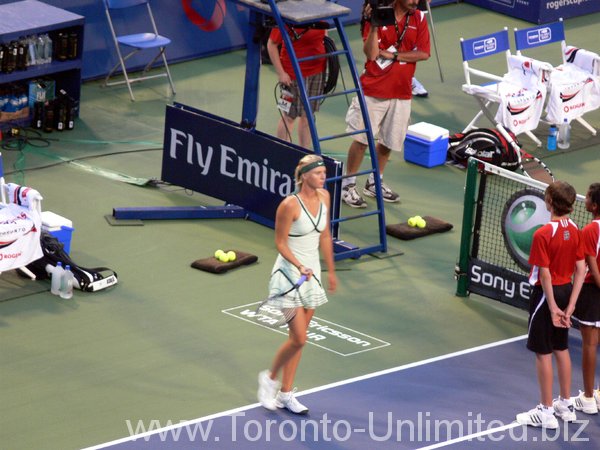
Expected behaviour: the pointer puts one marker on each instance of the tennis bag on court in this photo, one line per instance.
(90, 280)
(485, 144)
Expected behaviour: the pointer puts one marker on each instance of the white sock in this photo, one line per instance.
(347, 181)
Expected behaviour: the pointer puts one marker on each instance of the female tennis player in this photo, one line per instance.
(301, 229)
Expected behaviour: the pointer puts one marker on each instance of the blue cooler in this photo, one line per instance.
(426, 144)
(59, 227)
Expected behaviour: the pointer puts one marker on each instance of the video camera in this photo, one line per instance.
(382, 13)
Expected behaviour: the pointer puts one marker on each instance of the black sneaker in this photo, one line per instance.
(352, 198)
(388, 195)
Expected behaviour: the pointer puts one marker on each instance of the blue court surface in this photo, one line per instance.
(463, 400)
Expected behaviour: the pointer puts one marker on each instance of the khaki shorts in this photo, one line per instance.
(389, 121)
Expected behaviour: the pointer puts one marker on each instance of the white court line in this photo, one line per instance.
(325, 387)
(472, 436)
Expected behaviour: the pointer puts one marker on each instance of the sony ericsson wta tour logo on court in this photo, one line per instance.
(322, 333)
(524, 213)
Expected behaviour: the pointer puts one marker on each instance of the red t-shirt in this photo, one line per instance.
(591, 244)
(556, 246)
(309, 43)
(395, 81)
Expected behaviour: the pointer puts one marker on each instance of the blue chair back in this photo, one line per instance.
(539, 35)
(482, 46)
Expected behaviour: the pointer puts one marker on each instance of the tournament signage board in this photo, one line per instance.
(219, 158)
(540, 11)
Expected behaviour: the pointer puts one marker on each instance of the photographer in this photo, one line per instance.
(393, 43)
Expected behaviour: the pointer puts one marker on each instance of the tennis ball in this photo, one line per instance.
(421, 223)
(231, 255)
(223, 257)
(218, 254)
(412, 222)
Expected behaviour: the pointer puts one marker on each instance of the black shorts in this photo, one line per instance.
(543, 337)
(587, 310)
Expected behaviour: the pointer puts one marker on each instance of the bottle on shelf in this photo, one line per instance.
(49, 117)
(564, 135)
(38, 115)
(62, 46)
(60, 115)
(551, 145)
(73, 45)
(56, 275)
(66, 285)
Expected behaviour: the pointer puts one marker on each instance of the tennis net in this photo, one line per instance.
(502, 210)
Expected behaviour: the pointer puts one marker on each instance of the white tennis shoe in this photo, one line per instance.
(267, 390)
(564, 409)
(585, 404)
(536, 417)
(288, 400)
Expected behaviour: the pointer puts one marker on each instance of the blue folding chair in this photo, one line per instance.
(130, 10)
(577, 69)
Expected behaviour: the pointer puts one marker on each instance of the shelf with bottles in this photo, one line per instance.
(35, 54)
(48, 42)
(40, 103)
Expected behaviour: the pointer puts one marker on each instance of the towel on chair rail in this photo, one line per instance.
(522, 94)
(584, 59)
(20, 230)
(573, 92)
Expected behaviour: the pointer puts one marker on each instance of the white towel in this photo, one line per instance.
(584, 59)
(20, 230)
(573, 92)
(529, 67)
(522, 97)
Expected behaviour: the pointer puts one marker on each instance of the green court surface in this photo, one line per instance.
(163, 344)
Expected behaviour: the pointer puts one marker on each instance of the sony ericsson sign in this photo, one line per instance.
(499, 283)
(523, 214)
(213, 156)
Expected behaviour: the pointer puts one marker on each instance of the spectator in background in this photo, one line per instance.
(306, 42)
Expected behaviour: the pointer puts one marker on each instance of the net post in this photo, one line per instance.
(462, 279)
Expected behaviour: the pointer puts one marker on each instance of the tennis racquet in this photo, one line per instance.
(272, 310)
(534, 167)
(528, 164)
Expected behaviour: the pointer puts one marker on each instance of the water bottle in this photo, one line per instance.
(66, 285)
(551, 145)
(564, 135)
(56, 274)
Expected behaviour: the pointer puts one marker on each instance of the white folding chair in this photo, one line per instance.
(574, 84)
(519, 93)
(130, 10)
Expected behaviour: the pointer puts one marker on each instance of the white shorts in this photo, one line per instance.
(389, 121)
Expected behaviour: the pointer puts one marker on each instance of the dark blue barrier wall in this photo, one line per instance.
(540, 11)
(196, 27)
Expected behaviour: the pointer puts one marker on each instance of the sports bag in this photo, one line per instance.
(485, 144)
(86, 279)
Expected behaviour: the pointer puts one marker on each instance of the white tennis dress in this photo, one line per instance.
(303, 241)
